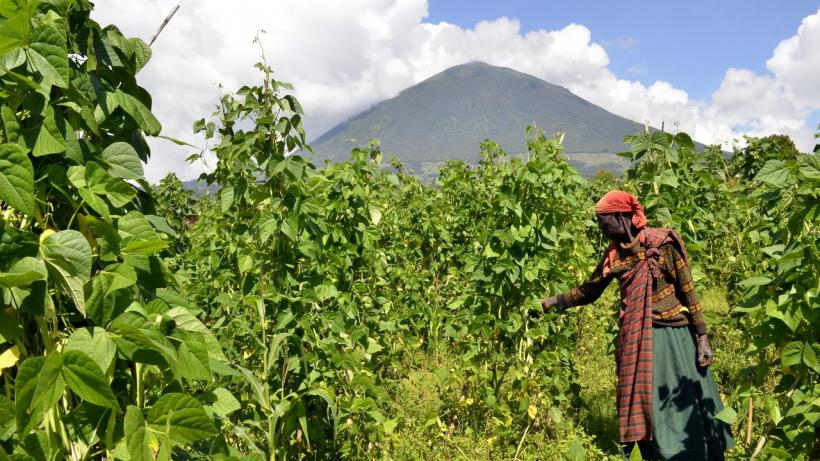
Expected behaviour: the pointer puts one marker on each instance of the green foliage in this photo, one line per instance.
(90, 315)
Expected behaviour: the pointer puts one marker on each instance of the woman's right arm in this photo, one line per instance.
(585, 293)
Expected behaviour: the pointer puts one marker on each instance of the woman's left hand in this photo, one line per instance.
(705, 354)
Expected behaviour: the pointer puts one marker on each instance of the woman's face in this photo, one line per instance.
(611, 225)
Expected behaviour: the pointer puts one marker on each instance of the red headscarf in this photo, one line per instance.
(618, 201)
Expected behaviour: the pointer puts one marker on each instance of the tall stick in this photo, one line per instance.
(749, 422)
(162, 26)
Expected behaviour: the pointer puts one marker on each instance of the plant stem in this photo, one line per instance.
(140, 397)
(521, 442)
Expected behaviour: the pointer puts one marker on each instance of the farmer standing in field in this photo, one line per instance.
(666, 396)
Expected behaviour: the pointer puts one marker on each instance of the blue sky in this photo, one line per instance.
(689, 44)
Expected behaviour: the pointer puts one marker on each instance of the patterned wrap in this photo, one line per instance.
(642, 266)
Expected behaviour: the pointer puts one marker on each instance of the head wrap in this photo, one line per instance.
(618, 201)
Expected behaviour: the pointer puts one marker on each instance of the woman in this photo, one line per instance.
(666, 396)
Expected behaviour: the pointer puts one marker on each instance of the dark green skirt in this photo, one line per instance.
(685, 402)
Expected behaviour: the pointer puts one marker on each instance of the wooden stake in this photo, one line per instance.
(749, 422)
(162, 26)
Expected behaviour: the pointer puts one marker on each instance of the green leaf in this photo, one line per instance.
(9, 328)
(51, 139)
(810, 357)
(161, 224)
(95, 343)
(118, 276)
(25, 383)
(226, 197)
(669, 178)
(576, 451)
(185, 320)
(107, 237)
(16, 178)
(225, 403)
(123, 161)
(50, 385)
(68, 257)
(142, 53)
(134, 226)
(810, 166)
(792, 353)
(728, 415)
(755, 281)
(23, 272)
(11, 126)
(193, 356)
(185, 417)
(138, 437)
(14, 32)
(85, 378)
(119, 192)
(69, 251)
(7, 418)
(49, 56)
(141, 115)
(774, 173)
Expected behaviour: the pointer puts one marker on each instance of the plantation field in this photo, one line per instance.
(354, 311)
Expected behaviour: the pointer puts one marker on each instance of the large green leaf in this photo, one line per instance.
(225, 402)
(107, 237)
(119, 192)
(47, 387)
(11, 126)
(142, 53)
(7, 418)
(51, 139)
(15, 244)
(95, 343)
(49, 56)
(774, 173)
(85, 378)
(141, 115)
(16, 178)
(9, 328)
(810, 166)
(194, 362)
(185, 417)
(118, 276)
(138, 235)
(23, 272)
(185, 320)
(14, 32)
(792, 353)
(68, 258)
(137, 436)
(123, 161)
(25, 384)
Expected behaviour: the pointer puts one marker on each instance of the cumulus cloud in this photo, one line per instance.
(345, 56)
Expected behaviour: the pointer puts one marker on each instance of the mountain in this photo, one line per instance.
(448, 115)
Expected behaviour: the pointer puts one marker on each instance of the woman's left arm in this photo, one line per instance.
(688, 296)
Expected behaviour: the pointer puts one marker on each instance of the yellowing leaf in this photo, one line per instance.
(532, 411)
(9, 358)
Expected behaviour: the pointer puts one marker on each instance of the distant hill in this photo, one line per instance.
(448, 115)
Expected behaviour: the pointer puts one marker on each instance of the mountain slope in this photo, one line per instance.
(449, 114)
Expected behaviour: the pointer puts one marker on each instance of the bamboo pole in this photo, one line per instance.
(749, 422)
(164, 23)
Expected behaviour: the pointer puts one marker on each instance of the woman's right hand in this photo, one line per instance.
(548, 303)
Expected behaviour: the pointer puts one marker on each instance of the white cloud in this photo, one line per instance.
(345, 56)
(796, 62)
